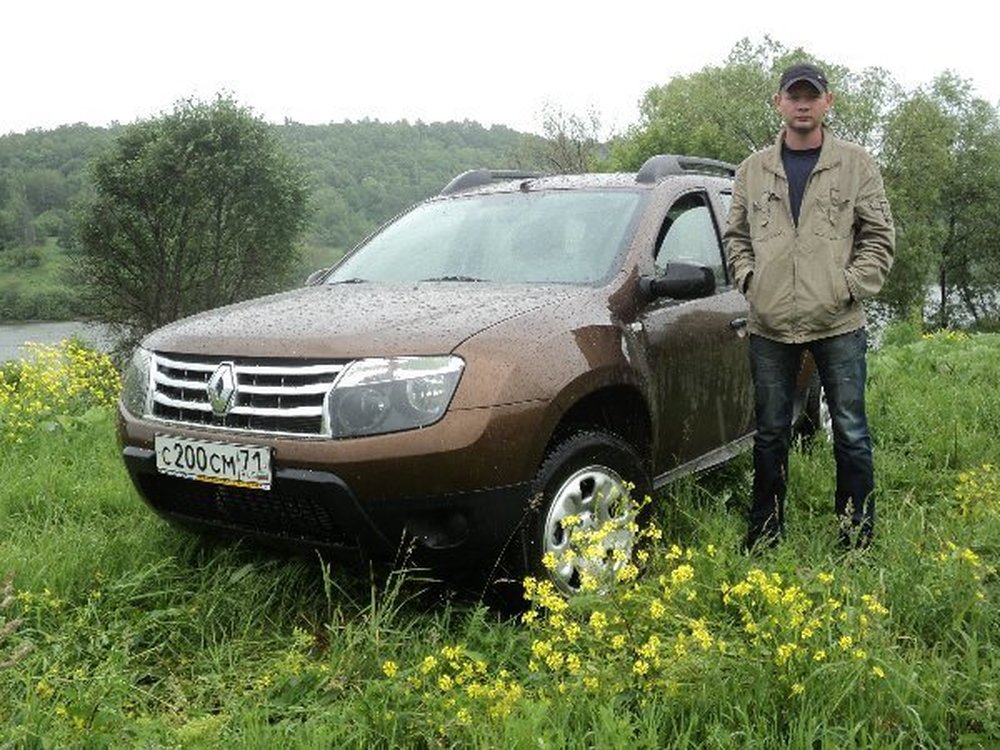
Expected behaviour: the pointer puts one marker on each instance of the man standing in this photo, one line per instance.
(809, 236)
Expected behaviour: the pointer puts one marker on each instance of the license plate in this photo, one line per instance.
(220, 463)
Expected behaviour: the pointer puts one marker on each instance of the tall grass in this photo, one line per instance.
(116, 629)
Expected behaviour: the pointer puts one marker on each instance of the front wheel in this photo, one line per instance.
(587, 494)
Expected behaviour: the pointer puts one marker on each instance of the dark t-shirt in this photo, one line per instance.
(798, 166)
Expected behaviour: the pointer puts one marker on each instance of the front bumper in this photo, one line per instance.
(308, 509)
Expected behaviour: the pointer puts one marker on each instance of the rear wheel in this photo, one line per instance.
(587, 495)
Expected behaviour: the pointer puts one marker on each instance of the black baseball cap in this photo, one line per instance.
(804, 72)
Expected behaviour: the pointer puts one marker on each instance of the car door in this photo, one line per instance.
(697, 348)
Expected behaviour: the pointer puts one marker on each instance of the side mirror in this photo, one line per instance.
(315, 276)
(680, 281)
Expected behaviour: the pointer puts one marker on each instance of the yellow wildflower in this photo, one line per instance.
(428, 664)
(785, 651)
(656, 609)
(681, 575)
(598, 621)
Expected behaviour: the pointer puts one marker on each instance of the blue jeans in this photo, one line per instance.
(842, 371)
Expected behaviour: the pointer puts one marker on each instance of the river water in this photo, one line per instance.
(14, 336)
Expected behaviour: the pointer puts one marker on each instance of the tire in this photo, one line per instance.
(585, 476)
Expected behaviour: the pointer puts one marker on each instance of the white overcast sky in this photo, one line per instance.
(98, 61)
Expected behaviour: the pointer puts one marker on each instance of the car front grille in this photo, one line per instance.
(274, 396)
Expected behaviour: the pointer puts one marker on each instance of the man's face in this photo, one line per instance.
(803, 107)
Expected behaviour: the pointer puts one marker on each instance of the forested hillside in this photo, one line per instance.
(361, 174)
(366, 172)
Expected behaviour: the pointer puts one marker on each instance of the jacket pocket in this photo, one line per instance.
(834, 214)
(823, 294)
(770, 293)
(765, 216)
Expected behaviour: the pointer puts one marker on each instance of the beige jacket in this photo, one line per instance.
(807, 282)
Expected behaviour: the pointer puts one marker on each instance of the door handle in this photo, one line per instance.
(739, 325)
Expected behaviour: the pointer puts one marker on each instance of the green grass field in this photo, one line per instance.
(118, 630)
(36, 283)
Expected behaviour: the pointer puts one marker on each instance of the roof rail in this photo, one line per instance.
(663, 165)
(477, 177)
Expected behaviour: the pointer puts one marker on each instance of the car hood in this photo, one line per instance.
(355, 320)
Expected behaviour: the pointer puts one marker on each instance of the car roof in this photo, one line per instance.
(587, 181)
(557, 182)
(655, 170)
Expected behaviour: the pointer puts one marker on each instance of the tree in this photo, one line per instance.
(194, 209)
(45, 189)
(720, 112)
(917, 157)
(942, 155)
(571, 143)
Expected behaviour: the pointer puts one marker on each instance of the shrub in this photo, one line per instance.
(53, 387)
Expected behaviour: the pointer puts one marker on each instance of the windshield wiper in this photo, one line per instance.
(348, 281)
(454, 278)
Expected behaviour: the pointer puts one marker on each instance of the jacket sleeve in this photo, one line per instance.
(736, 238)
(874, 235)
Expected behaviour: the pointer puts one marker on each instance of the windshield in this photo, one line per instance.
(565, 237)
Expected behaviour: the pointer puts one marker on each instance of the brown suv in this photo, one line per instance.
(495, 360)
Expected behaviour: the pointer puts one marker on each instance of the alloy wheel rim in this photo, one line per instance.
(588, 529)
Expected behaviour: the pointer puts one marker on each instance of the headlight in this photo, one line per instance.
(374, 396)
(135, 383)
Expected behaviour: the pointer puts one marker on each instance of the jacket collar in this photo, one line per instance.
(829, 155)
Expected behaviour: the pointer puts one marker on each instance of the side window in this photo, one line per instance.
(688, 236)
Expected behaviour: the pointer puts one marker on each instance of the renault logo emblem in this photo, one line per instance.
(222, 389)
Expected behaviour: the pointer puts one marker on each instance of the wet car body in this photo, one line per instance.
(639, 367)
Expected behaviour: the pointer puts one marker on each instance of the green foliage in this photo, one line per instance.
(572, 142)
(721, 112)
(41, 173)
(53, 387)
(116, 628)
(943, 172)
(902, 332)
(35, 283)
(191, 210)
